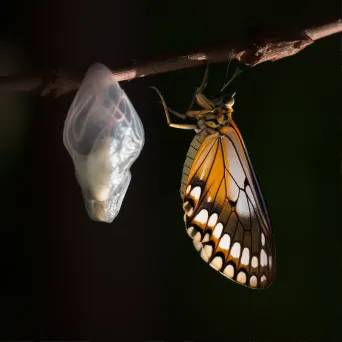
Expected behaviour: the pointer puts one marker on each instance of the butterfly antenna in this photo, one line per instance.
(236, 73)
(227, 71)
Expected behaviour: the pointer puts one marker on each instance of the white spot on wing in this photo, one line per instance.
(263, 258)
(216, 263)
(197, 237)
(263, 239)
(241, 277)
(234, 165)
(212, 220)
(245, 256)
(242, 205)
(208, 250)
(208, 199)
(188, 190)
(224, 242)
(218, 230)
(229, 271)
(196, 193)
(232, 188)
(253, 281)
(236, 250)
(197, 245)
(263, 278)
(202, 217)
(255, 262)
(270, 261)
(190, 231)
(188, 208)
(204, 255)
(206, 238)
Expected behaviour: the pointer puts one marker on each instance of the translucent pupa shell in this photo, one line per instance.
(104, 136)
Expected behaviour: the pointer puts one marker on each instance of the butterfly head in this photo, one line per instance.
(224, 108)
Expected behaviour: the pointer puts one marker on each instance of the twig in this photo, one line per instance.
(255, 51)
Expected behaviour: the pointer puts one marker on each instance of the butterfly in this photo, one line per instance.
(224, 211)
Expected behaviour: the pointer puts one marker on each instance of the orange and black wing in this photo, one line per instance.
(225, 214)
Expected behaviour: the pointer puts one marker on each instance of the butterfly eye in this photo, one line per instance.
(228, 100)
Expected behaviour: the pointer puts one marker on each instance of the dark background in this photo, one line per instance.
(64, 277)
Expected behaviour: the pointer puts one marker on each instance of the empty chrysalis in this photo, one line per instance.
(104, 136)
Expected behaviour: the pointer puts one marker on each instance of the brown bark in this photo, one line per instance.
(261, 49)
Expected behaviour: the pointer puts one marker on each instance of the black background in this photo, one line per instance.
(65, 277)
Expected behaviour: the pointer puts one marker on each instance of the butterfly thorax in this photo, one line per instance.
(216, 119)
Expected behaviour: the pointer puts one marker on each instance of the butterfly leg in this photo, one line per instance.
(200, 98)
(196, 113)
(201, 87)
(204, 102)
(167, 114)
(182, 116)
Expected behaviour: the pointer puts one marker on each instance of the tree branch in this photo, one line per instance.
(257, 49)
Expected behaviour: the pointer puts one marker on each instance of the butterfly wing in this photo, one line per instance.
(225, 214)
